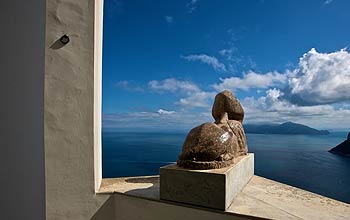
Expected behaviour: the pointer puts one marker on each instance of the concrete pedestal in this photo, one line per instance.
(209, 188)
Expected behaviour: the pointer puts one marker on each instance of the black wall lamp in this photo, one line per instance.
(64, 39)
(59, 43)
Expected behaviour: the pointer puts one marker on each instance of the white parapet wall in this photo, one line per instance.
(72, 109)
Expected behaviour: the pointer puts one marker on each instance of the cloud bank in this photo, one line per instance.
(197, 100)
(173, 85)
(153, 120)
(322, 78)
(316, 92)
(273, 107)
(251, 80)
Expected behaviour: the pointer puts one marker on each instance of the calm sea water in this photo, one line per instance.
(298, 160)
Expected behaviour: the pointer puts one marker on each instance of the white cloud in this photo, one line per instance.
(197, 100)
(192, 5)
(274, 102)
(173, 85)
(154, 121)
(236, 61)
(192, 95)
(129, 86)
(165, 112)
(273, 108)
(251, 80)
(315, 93)
(321, 78)
(228, 53)
(169, 19)
(327, 2)
(209, 60)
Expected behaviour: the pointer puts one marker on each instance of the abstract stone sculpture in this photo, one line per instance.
(226, 102)
(216, 145)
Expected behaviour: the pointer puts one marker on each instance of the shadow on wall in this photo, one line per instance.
(62, 41)
(106, 211)
(152, 191)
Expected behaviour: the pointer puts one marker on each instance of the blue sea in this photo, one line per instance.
(298, 160)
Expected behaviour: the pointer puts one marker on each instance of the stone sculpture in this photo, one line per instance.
(216, 145)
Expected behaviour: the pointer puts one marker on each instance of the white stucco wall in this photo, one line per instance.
(71, 126)
(22, 58)
(98, 35)
(125, 207)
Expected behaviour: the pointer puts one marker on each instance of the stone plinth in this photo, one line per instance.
(214, 188)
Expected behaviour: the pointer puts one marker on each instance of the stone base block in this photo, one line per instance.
(214, 188)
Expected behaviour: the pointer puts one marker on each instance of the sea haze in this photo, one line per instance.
(298, 160)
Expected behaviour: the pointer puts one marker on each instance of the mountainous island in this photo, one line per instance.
(343, 148)
(285, 128)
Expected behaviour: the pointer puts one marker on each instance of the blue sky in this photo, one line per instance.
(164, 61)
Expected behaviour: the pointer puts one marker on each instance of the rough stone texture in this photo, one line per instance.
(238, 177)
(207, 147)
(273, 200)
(215, 145)
(69, 110)
(236, 130)
(214, 188)
(225, 101)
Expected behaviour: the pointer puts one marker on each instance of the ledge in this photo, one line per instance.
(261, 197)
(212, 188)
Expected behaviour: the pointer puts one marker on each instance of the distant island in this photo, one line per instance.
(343, 148)
(285, 128)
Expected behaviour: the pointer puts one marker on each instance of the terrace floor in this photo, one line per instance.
(261, 197)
